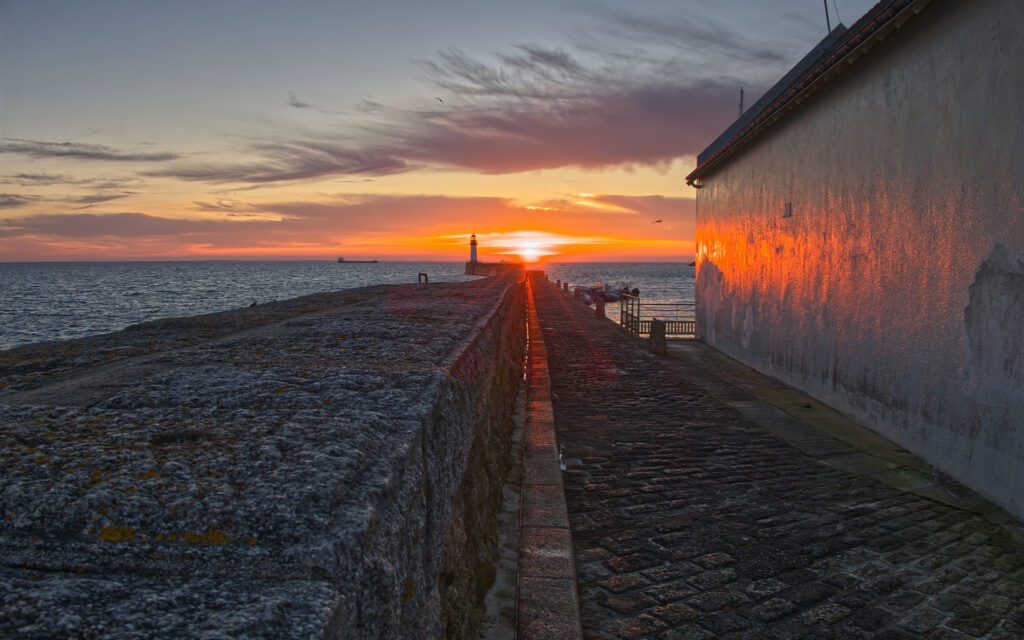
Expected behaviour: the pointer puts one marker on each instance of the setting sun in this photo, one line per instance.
(531, 252)
(529, 255)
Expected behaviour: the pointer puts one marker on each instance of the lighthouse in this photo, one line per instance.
(472, 248)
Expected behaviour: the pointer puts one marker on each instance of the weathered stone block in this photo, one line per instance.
(328, 466)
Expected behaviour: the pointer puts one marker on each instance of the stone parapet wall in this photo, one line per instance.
(323, 467)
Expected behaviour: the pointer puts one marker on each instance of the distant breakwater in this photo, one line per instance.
(327, 466)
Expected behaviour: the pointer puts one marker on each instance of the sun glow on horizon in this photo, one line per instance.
(532, 246)
(531, 252)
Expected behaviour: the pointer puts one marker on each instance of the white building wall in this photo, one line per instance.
(895, 291)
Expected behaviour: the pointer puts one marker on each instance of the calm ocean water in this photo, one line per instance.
(57, 301)
(661, 282)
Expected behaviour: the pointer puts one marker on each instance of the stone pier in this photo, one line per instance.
(325, 467)
(707, 501)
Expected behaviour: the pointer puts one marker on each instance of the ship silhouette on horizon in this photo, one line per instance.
(344, 261)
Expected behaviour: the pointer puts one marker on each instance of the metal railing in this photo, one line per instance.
(635, 317)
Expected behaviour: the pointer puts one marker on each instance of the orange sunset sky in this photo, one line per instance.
(132, 129)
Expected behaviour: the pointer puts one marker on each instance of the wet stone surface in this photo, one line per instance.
(691, 521)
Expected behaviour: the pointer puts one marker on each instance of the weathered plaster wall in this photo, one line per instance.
(895, 290)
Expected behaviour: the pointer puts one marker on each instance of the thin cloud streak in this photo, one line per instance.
(701, 37)
(13, 200)
(89, 201)
(291, 160)
(37, 179)
(79, 151)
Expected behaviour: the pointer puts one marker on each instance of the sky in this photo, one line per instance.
(312, 129)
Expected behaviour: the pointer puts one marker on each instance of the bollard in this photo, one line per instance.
(599, 307)
(656, 342)
(558, 283)
(565, 287)
(422, 278)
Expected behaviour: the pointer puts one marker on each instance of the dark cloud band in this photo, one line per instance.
(78, 151)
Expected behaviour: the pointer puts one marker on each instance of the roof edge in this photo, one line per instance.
(830, 57)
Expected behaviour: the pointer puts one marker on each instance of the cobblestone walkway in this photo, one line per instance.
(690, 521)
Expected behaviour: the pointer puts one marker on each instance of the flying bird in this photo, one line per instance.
(657, 221)
(439, 100)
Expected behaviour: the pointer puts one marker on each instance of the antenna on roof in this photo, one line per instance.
(741, 102)
(828, 22)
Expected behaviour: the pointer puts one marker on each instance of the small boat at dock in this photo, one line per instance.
(602, 292)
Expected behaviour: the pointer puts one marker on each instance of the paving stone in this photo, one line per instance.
(713, 560)
(633, 562)
(895, 634)
(773, 609)
(623, 583)
(714, 600)
(591, 571)
(947, 634)
(671, 571)
(930, 587)
(869, 618)
(799, 576)
(675, 613)
(996, 604)
(974, 622)
(722, 623)
(903, 600)
(705, 509)
(687, 632)
(627, 603)
(810, 593)
(633, 627)
(827, 613)
(842, 581)
(671, 591)
(765, 586)
(709, 579)
(922, 620)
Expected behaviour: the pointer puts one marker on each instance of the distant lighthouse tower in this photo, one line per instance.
(472, 248)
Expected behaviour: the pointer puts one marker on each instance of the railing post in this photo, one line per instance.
(599, 307)
(565, 287)
(656, 342)
(558, 283)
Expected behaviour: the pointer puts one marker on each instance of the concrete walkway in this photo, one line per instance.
(706, 501)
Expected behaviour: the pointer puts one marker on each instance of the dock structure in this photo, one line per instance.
(324, 467)
(708, 501)
(346, 466)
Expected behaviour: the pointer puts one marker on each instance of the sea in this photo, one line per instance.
(48, 301)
